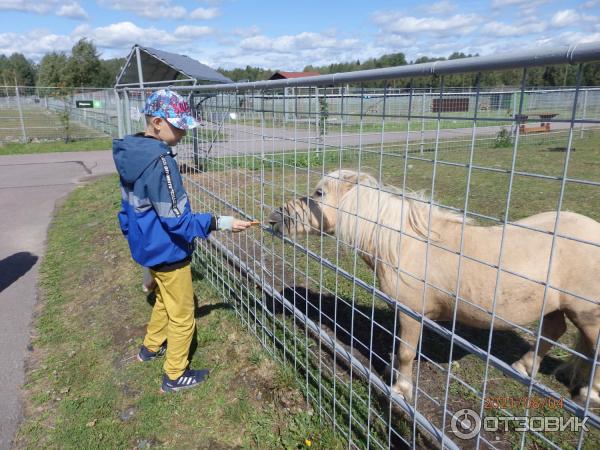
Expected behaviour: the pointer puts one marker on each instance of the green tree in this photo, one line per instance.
(110, 70)
(552, 76)
(83, 66)
(51, 71)
(3, 67)
(248, 73)
(20, 69)
(591, 74)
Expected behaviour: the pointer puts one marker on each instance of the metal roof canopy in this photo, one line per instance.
(149, 66)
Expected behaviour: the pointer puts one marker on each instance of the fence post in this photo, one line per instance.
(7, 95)
(422, 122)
(120, 131)
(20, 114)
(127, 112)
(585, 100)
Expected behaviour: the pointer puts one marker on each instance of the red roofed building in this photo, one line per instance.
(280, 75)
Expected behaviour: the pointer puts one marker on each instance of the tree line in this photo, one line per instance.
(561, 75)
(83, 67)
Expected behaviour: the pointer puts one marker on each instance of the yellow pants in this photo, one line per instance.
(172, 318)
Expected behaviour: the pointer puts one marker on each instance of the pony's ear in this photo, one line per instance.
(352, 177)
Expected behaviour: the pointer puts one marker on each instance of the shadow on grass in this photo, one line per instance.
(354, 325)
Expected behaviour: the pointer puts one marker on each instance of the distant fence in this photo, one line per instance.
(34, 114)
(336, 304)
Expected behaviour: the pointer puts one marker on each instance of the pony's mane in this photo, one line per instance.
(380, 208)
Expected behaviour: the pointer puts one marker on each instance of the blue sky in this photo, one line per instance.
(290, 35)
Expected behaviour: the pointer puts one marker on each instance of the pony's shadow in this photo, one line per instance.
(370, 331)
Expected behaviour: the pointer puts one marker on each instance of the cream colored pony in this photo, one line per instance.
(390, 231)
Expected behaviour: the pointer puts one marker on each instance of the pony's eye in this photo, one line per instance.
(319, 193)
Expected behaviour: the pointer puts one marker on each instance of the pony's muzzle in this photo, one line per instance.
(276, 220)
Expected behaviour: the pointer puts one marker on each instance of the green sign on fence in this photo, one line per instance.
(88, 103)
(84, 103)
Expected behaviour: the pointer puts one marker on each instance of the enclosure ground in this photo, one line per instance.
(259, 183)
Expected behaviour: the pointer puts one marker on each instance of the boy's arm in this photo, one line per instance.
(170, 201)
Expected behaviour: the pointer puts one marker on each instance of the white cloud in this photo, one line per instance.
(504, 3)
(569, 37)
(155, 11)
(247, 31)
(528, 26)
(591, 4)
(35, 43)
(190, 31)
(526, 7)
(301, 41)
(72, 11)
(396, 41)
(204, 13)
(441, 7)
(501, 29)
(533, 26)
(235, 57)
(38, 7)
(124, 34)
(112, 40)
(396, 22)
(565, 18)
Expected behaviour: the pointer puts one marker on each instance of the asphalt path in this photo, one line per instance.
(30, 186)
(249, 139)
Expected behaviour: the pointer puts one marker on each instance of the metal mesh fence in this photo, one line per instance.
(34, 114)
(427, 261)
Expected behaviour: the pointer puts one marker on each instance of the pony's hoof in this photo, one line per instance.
(520, 367)
(581, 398)
(404, 389)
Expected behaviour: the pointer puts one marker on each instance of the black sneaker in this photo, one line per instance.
(145, 355)
(188, 379)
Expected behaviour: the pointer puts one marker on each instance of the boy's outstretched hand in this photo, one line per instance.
(241, 225)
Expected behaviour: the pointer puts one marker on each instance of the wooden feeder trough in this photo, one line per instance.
(544, 125)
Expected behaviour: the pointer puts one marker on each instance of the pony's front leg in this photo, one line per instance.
(410, 330)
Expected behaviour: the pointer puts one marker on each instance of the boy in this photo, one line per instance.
(160, 228)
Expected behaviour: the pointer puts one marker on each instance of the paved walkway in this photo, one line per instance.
(247, 139)
(30, 185)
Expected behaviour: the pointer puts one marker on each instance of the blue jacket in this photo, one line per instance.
(155, 212)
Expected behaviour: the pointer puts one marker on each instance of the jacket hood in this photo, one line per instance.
(133, 154)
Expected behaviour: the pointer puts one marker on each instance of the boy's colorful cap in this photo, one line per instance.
(170, 106)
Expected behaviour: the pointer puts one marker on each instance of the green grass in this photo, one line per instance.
(374, 124)
(56, 146)
(43, 125)
(84, 387)
(257, 184)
